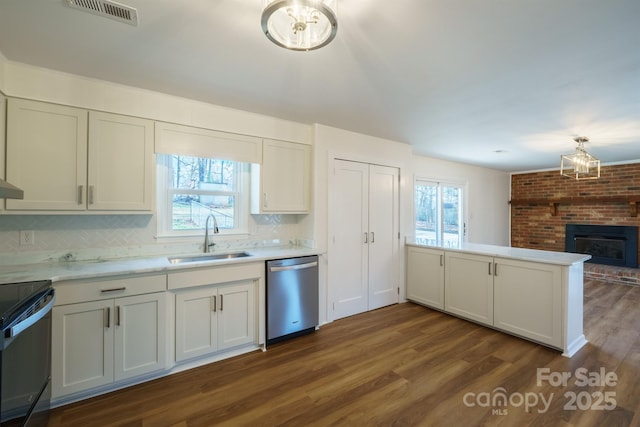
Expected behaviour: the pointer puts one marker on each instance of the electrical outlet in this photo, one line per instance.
(27, 237)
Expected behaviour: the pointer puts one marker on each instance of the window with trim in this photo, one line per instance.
(192, 188)
(438, 213)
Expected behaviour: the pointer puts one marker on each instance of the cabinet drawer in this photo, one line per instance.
(74, 291)
(214, 275)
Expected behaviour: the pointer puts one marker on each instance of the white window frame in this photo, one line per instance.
(439, 184)
(165, 193)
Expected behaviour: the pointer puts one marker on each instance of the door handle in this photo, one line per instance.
(366, 237)
(490, 268)
(117, 315)
(441, 260)
(221, 302)
(495, 269)
(373, 237)
(91, 194)
(80, 192)
(214, 307)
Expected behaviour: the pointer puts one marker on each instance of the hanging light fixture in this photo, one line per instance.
(580, 165)
(300, 24)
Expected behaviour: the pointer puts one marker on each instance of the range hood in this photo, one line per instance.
(8, 191)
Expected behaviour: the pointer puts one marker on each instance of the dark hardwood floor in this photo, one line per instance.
(403, 365)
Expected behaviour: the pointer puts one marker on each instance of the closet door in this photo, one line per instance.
(348, 254)
(363, 254)
(383, 236)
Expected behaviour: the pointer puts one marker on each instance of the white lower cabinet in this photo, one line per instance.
(425, 276)
(214, 318)
(96, 343)
(528, 300)
(534, 300)
(468, 290)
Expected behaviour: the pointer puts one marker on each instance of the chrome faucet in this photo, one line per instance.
(207, 245)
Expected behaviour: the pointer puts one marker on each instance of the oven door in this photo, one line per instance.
(25, 356)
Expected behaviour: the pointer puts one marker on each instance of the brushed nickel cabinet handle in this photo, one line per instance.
(221, 302)
(80, 193)
(495, 269)
(373, 237)
(366, 237)
(441, 260)
(91, 194)
(265, 203)
(490, 269)
(107, 317)
(117, 315)
(105, 291)
(214, 307)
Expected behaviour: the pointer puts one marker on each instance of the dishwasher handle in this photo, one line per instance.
(294, 267)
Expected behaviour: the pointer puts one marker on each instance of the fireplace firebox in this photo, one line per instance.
(607, 244)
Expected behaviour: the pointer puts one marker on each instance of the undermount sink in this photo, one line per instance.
(207, 257)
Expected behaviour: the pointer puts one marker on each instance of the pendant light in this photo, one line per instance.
(300, 24)
(580, 165)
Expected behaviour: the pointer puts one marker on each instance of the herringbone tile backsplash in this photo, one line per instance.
(63, 233)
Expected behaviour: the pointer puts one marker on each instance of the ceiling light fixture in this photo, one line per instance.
(580, 165)
(300, 24)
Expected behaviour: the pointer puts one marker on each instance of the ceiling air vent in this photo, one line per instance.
(107, 8)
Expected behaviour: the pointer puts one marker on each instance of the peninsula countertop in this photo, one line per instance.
(534, 255)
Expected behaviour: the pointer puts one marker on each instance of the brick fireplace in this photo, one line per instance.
(543, 203)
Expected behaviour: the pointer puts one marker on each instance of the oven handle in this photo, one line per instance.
(21, 326)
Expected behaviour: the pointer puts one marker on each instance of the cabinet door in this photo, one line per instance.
(468, 289)
(528, 300)
(236, 315)
(120, 163)
(425, 276)
(82, 346)
(196, 323)
(47, 155)
(3, 146)
(285, 176)
(140, 334)
(383, 236)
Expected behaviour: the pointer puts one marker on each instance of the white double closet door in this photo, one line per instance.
(364, 237)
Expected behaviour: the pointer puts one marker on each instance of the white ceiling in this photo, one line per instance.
(504, 84)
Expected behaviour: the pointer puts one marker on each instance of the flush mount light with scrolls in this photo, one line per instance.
(580, 165)
(300, 24)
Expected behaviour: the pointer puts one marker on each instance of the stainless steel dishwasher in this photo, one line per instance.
(292, 297)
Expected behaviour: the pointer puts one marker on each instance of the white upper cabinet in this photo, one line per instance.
(120, 173)
(282, 184)
(47, 155)
(69, 159)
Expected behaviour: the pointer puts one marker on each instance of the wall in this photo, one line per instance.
(487, 196)
(534, 226)
(25, 81)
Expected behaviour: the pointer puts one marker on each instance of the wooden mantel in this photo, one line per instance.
(554, 202)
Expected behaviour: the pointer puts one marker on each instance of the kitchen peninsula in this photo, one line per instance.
(533, 294)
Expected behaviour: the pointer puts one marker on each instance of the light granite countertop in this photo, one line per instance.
(72, 270)
(534, 255)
